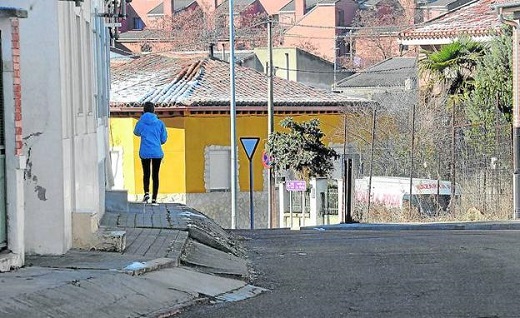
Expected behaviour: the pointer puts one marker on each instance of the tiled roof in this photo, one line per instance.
(445, 4)
(239, 4)
(176, 83)
(326, 1)
(391, 72)
(158, 10)
(477, 18)
(177, 6)
(146, 34)
(309, 4)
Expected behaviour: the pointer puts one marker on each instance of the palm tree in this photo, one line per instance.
(450, 70)
(453, 66)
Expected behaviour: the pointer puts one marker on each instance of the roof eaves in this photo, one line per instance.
(409, 32)
(9, 12)
(157, 10)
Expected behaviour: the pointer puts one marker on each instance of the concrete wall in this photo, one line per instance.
(15, 163)
(63, 155)
(300, 66)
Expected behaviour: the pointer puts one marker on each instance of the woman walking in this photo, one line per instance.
(153, 135)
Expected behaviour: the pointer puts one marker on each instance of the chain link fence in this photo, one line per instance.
(407, 139)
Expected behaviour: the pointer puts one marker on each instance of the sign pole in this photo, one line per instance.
(251, 207)
(299, 186)
(290, 209)
(249, 144)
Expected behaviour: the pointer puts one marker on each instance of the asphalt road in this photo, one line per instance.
(379, 274)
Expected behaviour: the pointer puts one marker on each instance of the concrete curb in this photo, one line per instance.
(138, 268)
(458, 226)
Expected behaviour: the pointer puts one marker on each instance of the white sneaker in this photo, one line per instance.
(154, 203)
(146, 198)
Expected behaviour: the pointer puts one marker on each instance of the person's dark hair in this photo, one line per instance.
(149, 107)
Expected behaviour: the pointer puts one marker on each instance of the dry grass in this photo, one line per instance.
(464, 212)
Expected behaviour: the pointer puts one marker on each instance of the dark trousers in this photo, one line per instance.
(156, 165)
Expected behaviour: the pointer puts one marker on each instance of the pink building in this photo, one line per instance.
(143, 14)
(316, 26)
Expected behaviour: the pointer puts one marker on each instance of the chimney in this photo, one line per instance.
(211, 51)
(168, 7)
(299, 9)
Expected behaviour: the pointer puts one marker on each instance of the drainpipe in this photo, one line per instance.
(516, 113)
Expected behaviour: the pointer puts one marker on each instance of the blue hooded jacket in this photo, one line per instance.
(153, 134)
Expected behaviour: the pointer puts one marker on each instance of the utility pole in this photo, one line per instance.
(514, 8)
(233, 115)
(350, 44)
(411, 159)
(270, 120)
(347, 176)
(452, 164)
(335, 62)
(374, 114)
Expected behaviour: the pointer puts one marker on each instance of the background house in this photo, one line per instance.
(54, 107)
(432, 9)
(192, 98)
(197, 23)
(476, 19)
(394, 76)
(297, 65)
(317, 25)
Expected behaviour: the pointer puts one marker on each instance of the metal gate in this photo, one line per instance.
(3, 223)
(330, 202)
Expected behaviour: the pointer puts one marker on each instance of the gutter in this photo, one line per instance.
(501, 18)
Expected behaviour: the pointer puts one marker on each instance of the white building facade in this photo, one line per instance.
(54, 108)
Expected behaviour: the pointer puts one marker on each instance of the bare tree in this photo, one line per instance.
(376, 38)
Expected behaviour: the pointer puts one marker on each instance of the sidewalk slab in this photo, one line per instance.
(87, 260)
(214, 261)
(194, 282)
(84, 293)
(156, 243)
(92, 283)
(139, 268)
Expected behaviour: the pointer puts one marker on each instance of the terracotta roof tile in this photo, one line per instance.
(388, 73)
(477, 18)
(172, 82)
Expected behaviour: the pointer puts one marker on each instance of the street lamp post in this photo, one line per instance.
(233, 115)
(270, 120)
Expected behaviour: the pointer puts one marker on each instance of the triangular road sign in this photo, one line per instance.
(249, 144)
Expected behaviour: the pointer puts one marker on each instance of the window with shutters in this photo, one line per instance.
(217, 168)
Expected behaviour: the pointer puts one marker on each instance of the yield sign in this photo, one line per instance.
(249, 144)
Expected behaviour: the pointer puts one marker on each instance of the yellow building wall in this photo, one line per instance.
(172, 173)
(182, 169)
(206, 130)
(215, 130)
(173, 166)
(121, 132)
